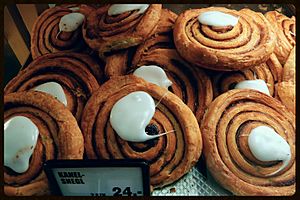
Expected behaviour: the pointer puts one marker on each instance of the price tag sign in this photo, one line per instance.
(98, 177)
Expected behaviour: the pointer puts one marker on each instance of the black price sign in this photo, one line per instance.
(98, 177)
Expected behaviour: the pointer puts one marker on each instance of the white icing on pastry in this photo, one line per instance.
(74, 9)
(20, 137)
(267, 145)
(71, 22)
(117, 9)
(131, 114)
(153, 74)
(54, 89)
(293, 34)
(257, 84)
(216, 18)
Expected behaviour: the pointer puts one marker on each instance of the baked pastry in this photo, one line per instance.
(285, 29)
(162, 39)
(46, 36)
(270, 72)
(77, 74)
(106, 32)
(191, 84)
(59, 138)
(170, 156)
(225, 48)
(289, 69)
(120, 63)
(287, 88)
(226, 128)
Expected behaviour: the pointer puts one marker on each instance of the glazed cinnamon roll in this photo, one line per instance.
(46, 36)
(270, 72)
(244, 133)
(108, 30)
(245, 44)
(285, 29)
(73, 76)
(170, 156)
(59, 137)
(189, 83)
(120, 62)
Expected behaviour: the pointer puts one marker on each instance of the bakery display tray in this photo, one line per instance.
(199, 182)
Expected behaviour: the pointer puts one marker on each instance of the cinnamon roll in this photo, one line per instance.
(106, 31)
(270, 72)
(248, 43)
(285, 29)
(170, 156)
(59, 137)
(75, 75)
(233, 123)
(120, 62)
(46, 36)
(191, 84)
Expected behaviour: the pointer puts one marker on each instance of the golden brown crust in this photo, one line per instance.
(120, 62)
(285, 29)
(117, 64)
(289, 69)
(59, 138)
(78, 74)
(226, 50)
(162, 39)
(226, 126)
(45, 38)
(170, 156)
(270, 72)
(191, 84)
(287, 88)
(105, 33)
(287, 94)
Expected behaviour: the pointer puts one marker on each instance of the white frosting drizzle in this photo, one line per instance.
(153, 74)
(74, 9)
(267, 145)
(257, 84)
(130, 116)
(293, 34)
(216, 18)
(70, 22)
(54, 89)
(20, 137)
(117, 9)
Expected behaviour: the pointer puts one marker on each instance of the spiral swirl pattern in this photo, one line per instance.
(45, 36)
(78, 74)
(247, 44)
(105, 33)
(120, 62)
(169, 156)
(189, 83)
(59, 138)
(286, 34)
(226, 127)
(270, 72)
